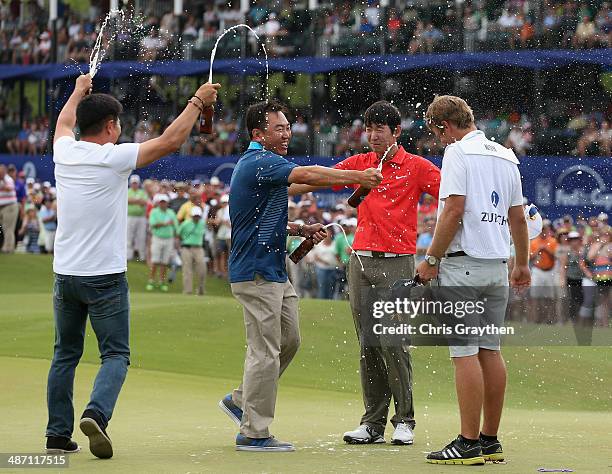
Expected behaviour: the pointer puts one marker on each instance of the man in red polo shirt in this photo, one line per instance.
(385, 241)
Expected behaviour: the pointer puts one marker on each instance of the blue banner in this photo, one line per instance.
(383, 64)
(557, 185)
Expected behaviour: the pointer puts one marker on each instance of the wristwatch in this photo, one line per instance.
(431, 260)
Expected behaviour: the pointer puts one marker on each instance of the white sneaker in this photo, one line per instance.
(402, 434)
(363, 435)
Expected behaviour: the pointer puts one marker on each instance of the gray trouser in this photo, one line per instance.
(477, 279)
(386, 370)
(273, 338)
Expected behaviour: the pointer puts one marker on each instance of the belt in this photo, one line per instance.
(461, 253)
(376, 254)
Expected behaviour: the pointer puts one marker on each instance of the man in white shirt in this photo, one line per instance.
(481, 202)
(90, 252)
(9, 210)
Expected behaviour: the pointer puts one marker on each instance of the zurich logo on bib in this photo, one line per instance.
(494, 198)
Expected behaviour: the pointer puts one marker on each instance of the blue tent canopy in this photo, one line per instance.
(387, 64)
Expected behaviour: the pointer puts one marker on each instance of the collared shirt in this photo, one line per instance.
(167, 217)
(258, 213)
(192, 234)
(387, 217)
(541, 259)
(486, 173)
(7, 195)
(136, 210)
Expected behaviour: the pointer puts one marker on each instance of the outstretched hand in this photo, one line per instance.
(315, 231)
(371, 178)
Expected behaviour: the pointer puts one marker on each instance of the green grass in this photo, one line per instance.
(188, 351)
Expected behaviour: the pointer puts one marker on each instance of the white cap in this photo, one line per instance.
(160, 197)
(215, 181)
(352, 222)
(326, 216)
(225, 198)
(573, 235)
(196, 211)
(134, 178)
(213, 202)
(30, 180)
(46, 184)
(534, 221)
(36, 186)
(602, 216)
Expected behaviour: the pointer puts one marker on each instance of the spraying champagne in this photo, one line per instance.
(361, 192)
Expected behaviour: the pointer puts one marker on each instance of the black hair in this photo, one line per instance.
(95, 110)
(383, 113)
(256, 114)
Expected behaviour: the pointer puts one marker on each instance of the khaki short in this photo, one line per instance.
(161, 250)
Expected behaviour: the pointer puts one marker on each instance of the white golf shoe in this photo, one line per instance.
(363, 435)
(402, 434)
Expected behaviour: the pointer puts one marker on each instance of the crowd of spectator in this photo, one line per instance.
(583, 134)
(28, 216)
(349, 27)
(571, 260)
(579, 133)
(571, 267)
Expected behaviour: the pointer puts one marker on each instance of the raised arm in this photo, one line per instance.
(178, 131)
(66, 120)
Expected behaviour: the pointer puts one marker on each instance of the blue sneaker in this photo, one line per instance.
(262, 444)
(231, 409)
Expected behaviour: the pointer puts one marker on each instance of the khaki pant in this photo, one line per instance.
(137, 237)
(273, 338)
(193, 259)
(8, 221)
(386, 370)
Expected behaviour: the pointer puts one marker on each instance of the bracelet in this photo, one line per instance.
(190, 101)
(201, 101)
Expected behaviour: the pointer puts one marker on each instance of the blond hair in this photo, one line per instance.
(449, 108)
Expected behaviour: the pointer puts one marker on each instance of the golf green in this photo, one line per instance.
(187, 353)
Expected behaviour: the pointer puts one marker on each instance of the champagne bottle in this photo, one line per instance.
(206, 120)
(300, 252)
(358, 196)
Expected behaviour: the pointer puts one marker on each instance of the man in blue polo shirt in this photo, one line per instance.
(258, 212)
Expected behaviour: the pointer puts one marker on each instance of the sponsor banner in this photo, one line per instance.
(556, 185)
